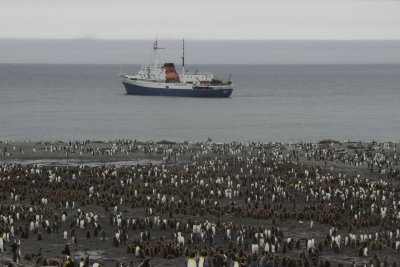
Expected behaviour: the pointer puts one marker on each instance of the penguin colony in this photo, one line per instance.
(201, 204)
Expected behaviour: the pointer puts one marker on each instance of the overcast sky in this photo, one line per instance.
(201, 19)
(259, 31)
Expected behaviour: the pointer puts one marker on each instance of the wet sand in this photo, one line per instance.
(253, 186)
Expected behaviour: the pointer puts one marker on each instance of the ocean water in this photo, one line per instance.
(269, 103)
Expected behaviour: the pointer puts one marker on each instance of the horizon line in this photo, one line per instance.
(204, 64)
(193, 39)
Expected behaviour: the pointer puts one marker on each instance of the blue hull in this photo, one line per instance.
(132, 89)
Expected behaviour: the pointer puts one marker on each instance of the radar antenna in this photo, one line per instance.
(155, 45)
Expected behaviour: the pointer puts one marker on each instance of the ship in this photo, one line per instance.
(157, 79)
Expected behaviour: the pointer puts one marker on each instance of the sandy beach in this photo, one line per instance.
(331, 203)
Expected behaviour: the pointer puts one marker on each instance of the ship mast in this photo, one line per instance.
(155, 56)
(154, 74)
(183, 58)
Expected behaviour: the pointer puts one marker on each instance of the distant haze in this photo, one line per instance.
(201, 19)
(93, 51)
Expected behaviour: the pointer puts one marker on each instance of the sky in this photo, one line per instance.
(201, 19)
(217, 31)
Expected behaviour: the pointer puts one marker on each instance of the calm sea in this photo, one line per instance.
(269, 103)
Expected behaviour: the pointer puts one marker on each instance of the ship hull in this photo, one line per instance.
(134, 89)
